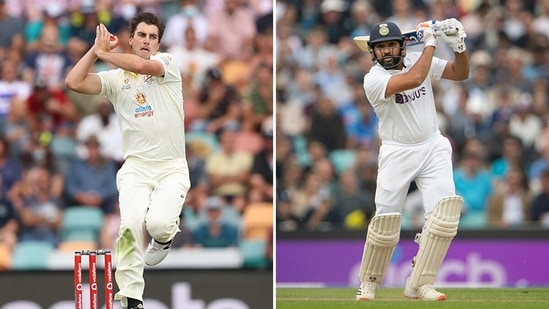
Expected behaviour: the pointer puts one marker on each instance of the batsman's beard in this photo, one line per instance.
(396, 60)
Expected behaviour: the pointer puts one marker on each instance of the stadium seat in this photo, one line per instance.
(257, 221)
(253, 253)
(342, 159)
(5, 257)
(76, 245)
(230, 215)
(299, 143)
(472, 220)
(208, 139)
(81, 223)
(31, 255)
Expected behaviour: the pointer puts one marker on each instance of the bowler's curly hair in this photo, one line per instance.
(148, 18)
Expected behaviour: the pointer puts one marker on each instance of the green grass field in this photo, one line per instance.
(471, 298)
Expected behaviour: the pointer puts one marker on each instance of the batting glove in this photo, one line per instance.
(426, 33)
(452, 32)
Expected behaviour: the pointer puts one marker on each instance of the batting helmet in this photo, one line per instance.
(386, 31)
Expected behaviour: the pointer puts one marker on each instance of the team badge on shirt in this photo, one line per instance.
(141, 98)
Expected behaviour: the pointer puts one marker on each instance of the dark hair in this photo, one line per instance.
(148, 18)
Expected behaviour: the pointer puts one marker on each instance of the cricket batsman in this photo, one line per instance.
(412, 149)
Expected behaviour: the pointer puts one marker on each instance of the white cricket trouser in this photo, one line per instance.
(151, 196)
(428, 163)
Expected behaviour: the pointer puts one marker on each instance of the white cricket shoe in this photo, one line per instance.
(424, 292)
(156, 252)
(366, 291)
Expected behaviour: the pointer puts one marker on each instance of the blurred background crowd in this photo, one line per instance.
(60, 150)
(497, 120)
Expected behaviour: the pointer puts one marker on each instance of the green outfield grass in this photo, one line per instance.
(471, 298)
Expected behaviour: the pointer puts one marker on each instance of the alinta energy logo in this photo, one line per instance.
(144, 109)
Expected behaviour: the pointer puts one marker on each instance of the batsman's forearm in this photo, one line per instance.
(421, 69)
(461, 65)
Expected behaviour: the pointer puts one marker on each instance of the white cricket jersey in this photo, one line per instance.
(149, 110)
(408, 117)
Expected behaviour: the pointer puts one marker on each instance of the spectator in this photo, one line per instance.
(525, 125)
(190, 16)
(403, 14)
(263, 13)
(258, 105)
(541, 162)
(91, 181)
(13, 90)
(511, 154)
(49, 108)
(231, 33)
(509, 205)
(359, 118)
(228, 170)
(285, 218)
(104, 125)
(41, 214)
(332, 81)
(540, 204)
(316, 50)
(214, 233)
(263, 45)
(327, 126)
(261, 175)
(473, 181)
(11, 31)
(197, 152)
(363, 17)
(52, 16)
(312, 206)
(9, 224)
(332, 19)
(283, 153)
(218, 104)
(540, 23)
(194, 60)
(17, 130)
(513, 20)
(11, 170)
(352, 203)
(83, 22)
(39, 155)
(50, 61)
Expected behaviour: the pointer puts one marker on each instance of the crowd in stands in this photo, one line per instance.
(60, 149)
(497, 119)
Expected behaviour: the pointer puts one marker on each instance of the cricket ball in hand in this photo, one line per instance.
(114, 39)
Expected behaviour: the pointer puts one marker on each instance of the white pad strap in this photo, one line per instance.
(438, 233)
(383, 235)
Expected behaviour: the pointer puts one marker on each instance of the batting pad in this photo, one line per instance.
(383, 235)
(440, 229)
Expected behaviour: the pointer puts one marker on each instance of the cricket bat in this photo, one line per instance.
(410, 38)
